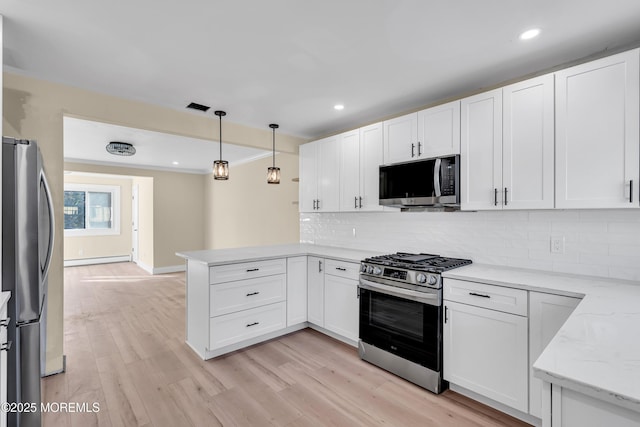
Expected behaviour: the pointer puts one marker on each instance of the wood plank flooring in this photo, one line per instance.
(124, 341)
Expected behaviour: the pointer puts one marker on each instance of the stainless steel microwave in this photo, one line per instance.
(425, 183)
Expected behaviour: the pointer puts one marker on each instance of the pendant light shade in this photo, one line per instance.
(273, 173)
(220, 167)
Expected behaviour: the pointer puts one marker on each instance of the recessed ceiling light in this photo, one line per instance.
(338, 107)
(530, 34)
(175, 163)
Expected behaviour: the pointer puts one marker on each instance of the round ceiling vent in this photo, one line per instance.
(121, 148)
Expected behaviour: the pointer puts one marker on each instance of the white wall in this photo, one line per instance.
(602, 243)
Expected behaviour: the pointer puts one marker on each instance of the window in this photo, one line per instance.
(91, 210)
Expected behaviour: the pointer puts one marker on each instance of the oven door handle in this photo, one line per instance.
(431, 298)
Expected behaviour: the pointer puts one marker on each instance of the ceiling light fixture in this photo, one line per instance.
(273, 173)
(530, 34)
(118, 148)
(220, 167)
(338, 107)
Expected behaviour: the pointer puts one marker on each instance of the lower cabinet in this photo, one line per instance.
(341, 306)
(547, 314)
(243, 325)
(315, 290)
(296, 290)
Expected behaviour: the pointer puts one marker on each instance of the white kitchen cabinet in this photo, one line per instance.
(597, 133)
(481, 151)
(507, 152)
(485, 351)
(428, 133)
(439, 130)
(401, 139)
(341, 306)
(528, 144)
(361, 156)
(315, 290)
(547, 314)
(296, 290)
(573, 409)
(320, 176)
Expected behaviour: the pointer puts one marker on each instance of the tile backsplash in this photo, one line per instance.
(603, 243)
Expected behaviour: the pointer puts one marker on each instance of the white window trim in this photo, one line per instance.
(115, 210)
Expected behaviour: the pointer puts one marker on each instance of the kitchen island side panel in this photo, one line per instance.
(197, 334)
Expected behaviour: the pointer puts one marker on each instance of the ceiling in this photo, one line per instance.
(85, 142)
(290, 61)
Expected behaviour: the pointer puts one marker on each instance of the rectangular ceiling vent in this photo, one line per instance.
(199, 107)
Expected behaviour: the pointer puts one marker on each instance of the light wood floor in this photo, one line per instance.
(124, 341)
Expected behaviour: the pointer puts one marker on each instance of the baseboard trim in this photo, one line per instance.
(145, 267)
(100, 260)
(170, 269)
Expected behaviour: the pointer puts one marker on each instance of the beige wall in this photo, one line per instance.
(84, 247)
(34, 109)
(145, 220)
(246, 211)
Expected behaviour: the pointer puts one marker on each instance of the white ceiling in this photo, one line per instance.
(85, 141)
(290, 61)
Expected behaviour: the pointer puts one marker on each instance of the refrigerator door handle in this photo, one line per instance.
(45, 270)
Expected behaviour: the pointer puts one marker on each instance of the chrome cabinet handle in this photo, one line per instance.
(419, 152)
(631, 191)
(6, 346)
(413, 146)
(479, 295)
(319, 266)
(314, 204)
(250, 270)
(318, 204)
(355, 202)
(341, 269)
(5, 322)
(505, 196)
(252, 324)
(495, 197)
(252, 293)
(360, 202)
(446, 314)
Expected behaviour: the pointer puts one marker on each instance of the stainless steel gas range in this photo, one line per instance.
(401, 315)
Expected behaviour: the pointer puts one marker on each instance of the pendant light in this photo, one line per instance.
(273, 173)
(220, 167)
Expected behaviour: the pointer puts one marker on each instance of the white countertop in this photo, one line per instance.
(255, 253)
(597, 351)
(4, 297)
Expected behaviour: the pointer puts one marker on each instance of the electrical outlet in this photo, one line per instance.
(557, 244)
(354, 232)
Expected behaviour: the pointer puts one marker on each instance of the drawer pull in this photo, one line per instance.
(5, 322)
(250, 270)
(252, 293)
(341, 269)
(253, 324)
(479, 295)
(6, 346)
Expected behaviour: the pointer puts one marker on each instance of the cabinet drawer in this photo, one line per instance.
(230, 297)
(235, 327)
(348, 270)
(247, 270)
(494, 297)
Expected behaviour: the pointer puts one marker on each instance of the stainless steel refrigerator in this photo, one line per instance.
(27, 244)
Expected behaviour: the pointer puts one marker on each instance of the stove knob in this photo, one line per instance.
(421, 278)
(432, 279)
(377, 270)
(363, 268)
(370, 269)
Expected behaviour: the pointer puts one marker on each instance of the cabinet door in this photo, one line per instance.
(481, 151)
(315, 290)
(341, 306)
(597, 137)
(328, 174)
(349, 144)
(439, 130)
(401, 139)
(296, 290)
(528, 144)
(370, 161)
(547, 314)
(308, 178)
(485, 351)
(3, 363)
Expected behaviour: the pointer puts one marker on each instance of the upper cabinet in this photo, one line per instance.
(427, 133)
(507, 147)
(319, 176)
(597, 136)
(361, 156)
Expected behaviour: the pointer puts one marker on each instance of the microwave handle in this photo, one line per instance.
(436, 177)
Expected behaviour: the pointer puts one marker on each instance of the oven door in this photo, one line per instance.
(403, 322)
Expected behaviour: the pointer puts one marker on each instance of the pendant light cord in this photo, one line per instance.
(274, 147)
(220, 117)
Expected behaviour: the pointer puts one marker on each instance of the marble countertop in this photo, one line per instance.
(4, 297)
(597, 351)
(256, 253)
